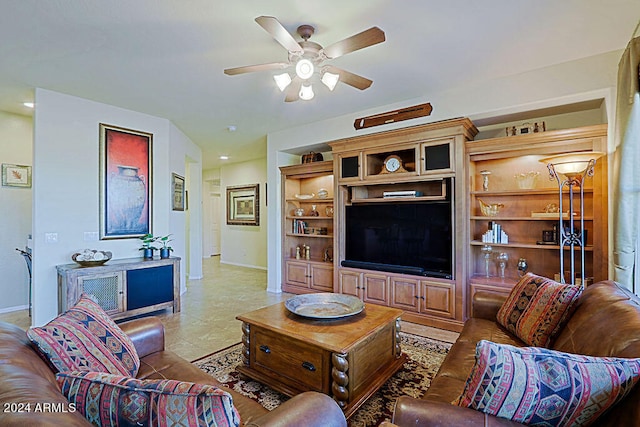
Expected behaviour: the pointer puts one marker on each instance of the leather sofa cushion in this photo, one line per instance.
(454, 371)
(85, 338)
(107, 399)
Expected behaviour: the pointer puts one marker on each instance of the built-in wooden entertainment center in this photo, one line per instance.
(438, 164)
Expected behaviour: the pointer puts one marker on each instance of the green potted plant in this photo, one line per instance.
(165, 250)
(147, 248)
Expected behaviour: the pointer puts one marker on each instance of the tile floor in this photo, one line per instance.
(207, 321)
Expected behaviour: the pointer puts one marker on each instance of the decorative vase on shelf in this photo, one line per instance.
(502, 259)
(523, 266)
(487, 251)
(485, 180)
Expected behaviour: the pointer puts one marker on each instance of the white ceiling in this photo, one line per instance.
(166, 57)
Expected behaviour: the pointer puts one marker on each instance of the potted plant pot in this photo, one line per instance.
(147, 253)
(165, 253)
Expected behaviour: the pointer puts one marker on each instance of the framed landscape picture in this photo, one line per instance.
(243, 205)
(125, 182)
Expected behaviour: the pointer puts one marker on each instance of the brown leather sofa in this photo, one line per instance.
(26, 379)
(606, 323)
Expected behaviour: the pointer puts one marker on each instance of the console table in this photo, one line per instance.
(123, 287)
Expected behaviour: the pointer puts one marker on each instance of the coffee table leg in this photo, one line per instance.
(398, 348)
(340, 378)
(246, 329)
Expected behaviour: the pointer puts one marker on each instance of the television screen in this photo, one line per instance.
(405, 234)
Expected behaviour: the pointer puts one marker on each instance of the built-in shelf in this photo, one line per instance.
(587, 248)
(322, 236)
(532, 192)
(523, 218)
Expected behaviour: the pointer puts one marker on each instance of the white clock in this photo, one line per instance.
(392, 164)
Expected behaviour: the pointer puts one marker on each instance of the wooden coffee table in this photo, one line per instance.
(347, 358)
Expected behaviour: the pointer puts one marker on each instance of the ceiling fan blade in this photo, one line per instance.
(278, 32)
(254, 68)
(349, 78)
(293, 90)
(373, 35)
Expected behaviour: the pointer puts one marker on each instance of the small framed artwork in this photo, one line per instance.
(16, 175)
(243, 205)
(178, 194)
(125, 182)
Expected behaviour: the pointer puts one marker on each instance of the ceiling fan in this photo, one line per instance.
(306, 56)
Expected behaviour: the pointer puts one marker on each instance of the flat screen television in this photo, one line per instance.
(405, 237)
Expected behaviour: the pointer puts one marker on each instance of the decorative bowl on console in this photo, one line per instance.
(91, 257)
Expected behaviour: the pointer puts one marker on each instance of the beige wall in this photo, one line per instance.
(66, 187)
(244, 245)
(16, 147)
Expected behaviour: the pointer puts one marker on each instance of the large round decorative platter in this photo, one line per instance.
(324, 305)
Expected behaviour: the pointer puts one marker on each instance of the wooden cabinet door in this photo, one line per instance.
(297, 273)
(322, 277)
(107, 289)
(350, 282)
(439, 298)
(375, 288)
(405, 293)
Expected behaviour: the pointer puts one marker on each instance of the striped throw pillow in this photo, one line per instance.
(539, 386)
(114, 400)
(85, 338)
(537, 308)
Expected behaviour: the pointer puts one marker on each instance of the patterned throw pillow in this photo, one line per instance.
(106, 399)
(536, 309)
(85, 338)
(538, 386)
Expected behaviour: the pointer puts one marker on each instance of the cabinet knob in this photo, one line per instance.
(265, 348)
(309, 366)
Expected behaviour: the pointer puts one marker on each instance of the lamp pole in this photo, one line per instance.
(571, 237)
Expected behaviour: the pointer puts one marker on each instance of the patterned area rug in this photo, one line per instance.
(413, 379)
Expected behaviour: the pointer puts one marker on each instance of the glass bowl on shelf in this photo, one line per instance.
(526, 180)
(490, 209)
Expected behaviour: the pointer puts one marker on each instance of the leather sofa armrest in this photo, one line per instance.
(417, 412)
(485, 305)
(147, 334)
(309, 409)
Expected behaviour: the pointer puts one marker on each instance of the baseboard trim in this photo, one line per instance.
(14, 308)
(243, 265)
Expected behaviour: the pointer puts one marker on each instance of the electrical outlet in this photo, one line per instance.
(51, 237)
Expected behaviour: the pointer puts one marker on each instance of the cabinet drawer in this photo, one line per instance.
(296, 361)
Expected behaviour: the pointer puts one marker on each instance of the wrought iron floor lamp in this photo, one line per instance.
(570, 170)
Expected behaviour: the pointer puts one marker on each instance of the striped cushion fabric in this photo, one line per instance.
(85, 338)
(539, 386)
(537, 308)
(114, 400)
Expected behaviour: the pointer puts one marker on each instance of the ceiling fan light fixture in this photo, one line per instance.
(306, 93)
(330, 80)
(304, 69)
(282, 80)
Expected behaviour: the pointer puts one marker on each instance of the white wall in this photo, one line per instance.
(66, 185)
(245, 245)
(16, 147)
(566, 83)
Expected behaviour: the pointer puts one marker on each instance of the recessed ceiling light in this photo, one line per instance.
(232, 128)
(28, 104)
(224, 157)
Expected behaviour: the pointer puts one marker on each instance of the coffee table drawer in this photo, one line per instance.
(299, 362)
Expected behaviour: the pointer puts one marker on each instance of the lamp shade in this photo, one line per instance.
(330, 80)
(306, 92)
(572, 165)
(282, 80)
